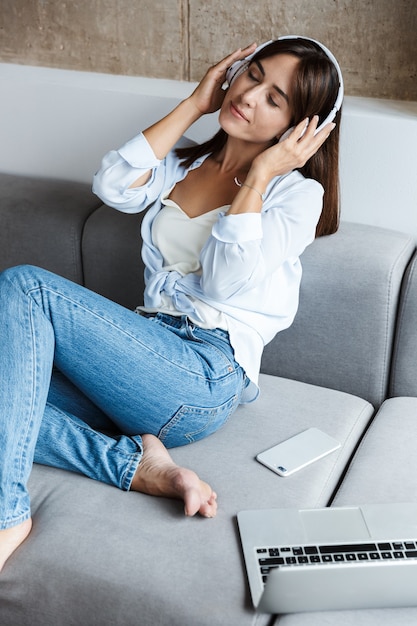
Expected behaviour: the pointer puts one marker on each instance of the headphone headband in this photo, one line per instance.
(240, 66)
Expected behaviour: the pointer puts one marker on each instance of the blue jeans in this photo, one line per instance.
(82, 378)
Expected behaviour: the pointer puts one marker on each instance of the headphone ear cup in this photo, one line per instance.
(236, 70)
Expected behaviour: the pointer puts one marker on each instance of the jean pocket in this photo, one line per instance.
(191, 423)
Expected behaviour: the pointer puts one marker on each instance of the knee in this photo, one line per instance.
(17, 269)
(22, 275)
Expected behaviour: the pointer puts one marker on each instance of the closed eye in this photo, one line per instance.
(257, 79)
(276, 88)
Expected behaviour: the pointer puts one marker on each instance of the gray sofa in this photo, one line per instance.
(98, 556)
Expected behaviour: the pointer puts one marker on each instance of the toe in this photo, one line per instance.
(192, 500)
(209, 508)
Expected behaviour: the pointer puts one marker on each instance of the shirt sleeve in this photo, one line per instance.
(120, 168)
(244, 249)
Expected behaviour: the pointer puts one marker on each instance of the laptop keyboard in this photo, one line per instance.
(290, 556)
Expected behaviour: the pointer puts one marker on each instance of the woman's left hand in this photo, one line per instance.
(292, 152)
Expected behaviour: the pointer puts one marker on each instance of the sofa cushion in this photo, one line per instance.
(343, 332)
(99, 556)
(41, 223)
(384, 469)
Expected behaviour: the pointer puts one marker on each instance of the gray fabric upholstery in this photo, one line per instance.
(385, 466)
(99, 556)
(42, 222)
(346, 314)
(404, 363)
(374, 617)
(112, 261)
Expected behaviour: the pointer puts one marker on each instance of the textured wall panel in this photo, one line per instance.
(374, 40)
(132, 37)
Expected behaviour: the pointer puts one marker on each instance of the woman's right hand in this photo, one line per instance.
(209, 93)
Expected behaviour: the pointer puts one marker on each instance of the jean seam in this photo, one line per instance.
(211, 415)
(130, 472)
(231, 404)
(22, 449)
(230, 362)
(15, 521)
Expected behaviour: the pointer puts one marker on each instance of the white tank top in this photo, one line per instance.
(180, 238)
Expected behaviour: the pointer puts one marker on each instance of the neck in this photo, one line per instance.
(236, 157)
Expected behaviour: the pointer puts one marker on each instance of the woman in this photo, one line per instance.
(225, 225)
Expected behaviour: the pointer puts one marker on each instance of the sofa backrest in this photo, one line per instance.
(41, 222)
(111, 251)
(342, 336)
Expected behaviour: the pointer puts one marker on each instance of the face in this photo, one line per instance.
(257, 105)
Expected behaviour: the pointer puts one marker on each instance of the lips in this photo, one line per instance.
(236, 112)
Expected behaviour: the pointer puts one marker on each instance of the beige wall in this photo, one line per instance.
(374, 40)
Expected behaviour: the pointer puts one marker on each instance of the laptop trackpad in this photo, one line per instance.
(328, 525)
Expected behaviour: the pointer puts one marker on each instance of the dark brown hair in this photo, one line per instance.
(314, 93)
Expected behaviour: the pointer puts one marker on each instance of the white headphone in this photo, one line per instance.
(240, 66)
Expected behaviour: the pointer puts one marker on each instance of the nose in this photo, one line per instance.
(251, 95)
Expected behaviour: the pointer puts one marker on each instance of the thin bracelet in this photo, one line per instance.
(239, 184)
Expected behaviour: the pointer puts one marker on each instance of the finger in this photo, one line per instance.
(317, 139)
(326, 130)
(322, 134)
(297, 132)
(237, 55)
(313, 131)
(249, 49)
(311, 126)
(219, 69)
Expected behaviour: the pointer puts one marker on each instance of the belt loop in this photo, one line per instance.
(189, 326)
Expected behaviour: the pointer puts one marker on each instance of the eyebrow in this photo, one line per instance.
(278, 89)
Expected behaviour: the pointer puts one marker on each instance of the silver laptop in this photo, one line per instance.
(332, 558)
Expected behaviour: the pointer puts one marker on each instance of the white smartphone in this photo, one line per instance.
(297, 452)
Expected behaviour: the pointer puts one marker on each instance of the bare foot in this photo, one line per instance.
(158, 475)
(11, 538)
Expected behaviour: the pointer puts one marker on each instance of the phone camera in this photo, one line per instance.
(282, 469)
